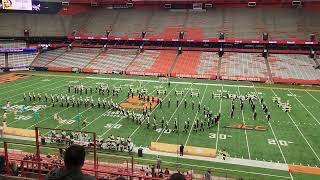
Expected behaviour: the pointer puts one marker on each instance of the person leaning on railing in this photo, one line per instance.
(74, 157)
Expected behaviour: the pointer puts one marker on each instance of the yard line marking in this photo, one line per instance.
(32, 90)
(49, 116)
(305, 108)
(275, 137)
(150, 114)
(121, 117)
(45, 118)
(245, 131)
(32, 84)
(313, 97)
(174, 112)
(304, 138)
(300, 132)
(29, 101)
(211, 167)
(26, 80)
(71, 118)
(103, 112)
(95, 119)
(195, 117)
(172, 82)
(217, 135)
(82, 111)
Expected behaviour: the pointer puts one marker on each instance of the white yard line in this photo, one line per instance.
(25, 80)
(174, 112)
(217, 135)
(32, 89)
(245, 131)
(313, 96)
(300, 132)
(121, 119)
(212, 167)
(151, 113)
(283, 157)
(194, 120)
(85, 110)
(45, 118)
(275, 137)
(22, 87)
(305, 108)
(172, 82)
(304, 137)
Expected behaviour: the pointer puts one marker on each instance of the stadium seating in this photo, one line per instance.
(2, 63)
(243, 65)
(130, 23)
(99, 22)
(77, 57)
(143, 61)
(293, 66)
(166, 24)
(208, 64)
(163, 63)
(116, 60)
(235, 23)
(187, 63)
(48, 56)
(12, 45)
(20, 59)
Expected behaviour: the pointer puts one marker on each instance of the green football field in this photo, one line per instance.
(290, 138)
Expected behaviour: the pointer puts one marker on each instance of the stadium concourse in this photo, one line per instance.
(208, 89)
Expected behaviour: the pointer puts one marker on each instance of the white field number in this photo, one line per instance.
(23, 118)
(281, 142)
(65, 121)
(114, 126)
(221, 136)
(159, 130)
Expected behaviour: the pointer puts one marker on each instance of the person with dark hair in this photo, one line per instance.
(181, 149)
(74, 157)
(177, 176)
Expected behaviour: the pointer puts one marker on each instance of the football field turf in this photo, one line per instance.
(290, 138)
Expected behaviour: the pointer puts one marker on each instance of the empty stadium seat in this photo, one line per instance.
(163, 62)
(187, 63)
(20, 59)
(113, 60)
(46, 57)
(293, 66)
(208, 64)
(143, 61)
(243, 65)
(77, 57)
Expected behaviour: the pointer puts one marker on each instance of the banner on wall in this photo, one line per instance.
(17, 4)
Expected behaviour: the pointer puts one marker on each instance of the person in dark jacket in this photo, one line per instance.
(74, 158)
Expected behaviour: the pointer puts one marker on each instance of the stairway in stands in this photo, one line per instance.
(219, 68)
(269, 70)
(94, 60)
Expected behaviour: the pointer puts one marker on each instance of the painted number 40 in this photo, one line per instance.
(281, 142)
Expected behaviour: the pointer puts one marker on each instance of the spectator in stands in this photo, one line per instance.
(73, 160)
(158, 163)
(207, 175)
(166, 172)
(177, 176)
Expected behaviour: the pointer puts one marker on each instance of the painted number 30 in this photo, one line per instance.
(214, 135)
